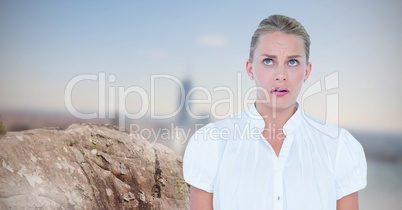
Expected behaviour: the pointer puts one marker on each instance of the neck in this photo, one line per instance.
(274, 117)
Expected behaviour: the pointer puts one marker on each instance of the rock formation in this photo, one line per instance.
(88, 166)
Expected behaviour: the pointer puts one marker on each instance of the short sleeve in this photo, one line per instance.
(350, 165)
(200, 162)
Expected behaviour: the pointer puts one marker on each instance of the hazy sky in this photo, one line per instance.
(45, 44)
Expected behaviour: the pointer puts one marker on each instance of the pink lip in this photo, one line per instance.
(279, 91)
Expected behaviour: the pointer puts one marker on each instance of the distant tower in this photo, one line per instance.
(184, 117)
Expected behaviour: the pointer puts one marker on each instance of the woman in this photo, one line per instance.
(271, 157)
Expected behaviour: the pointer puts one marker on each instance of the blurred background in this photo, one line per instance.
(60, 58)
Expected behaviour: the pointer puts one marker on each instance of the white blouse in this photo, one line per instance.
(315, 168)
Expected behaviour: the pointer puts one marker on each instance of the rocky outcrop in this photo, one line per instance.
(88, 166)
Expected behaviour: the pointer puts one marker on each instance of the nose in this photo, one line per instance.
(280, 73)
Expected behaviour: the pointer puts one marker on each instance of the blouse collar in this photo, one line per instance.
(289, 126)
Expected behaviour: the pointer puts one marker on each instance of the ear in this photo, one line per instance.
(249, 69)
(308, 71)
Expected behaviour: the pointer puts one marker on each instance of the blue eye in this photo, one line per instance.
(293, 63)
(268, 61)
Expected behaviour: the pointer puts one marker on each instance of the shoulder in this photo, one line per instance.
(325, 130)
(204, 152)
(333, 137)
(211, 139)
(218, 129)
(232, 120)
(319, 127)
(348, 159)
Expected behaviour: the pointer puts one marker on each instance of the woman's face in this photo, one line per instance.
(279, 68)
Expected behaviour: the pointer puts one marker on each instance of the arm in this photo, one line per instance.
(349, 202)
(200, 199)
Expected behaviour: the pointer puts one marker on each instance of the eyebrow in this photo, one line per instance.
(274, 56)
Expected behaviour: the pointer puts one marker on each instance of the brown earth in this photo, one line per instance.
(88, 166)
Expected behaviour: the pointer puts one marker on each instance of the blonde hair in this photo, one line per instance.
(283, 24)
